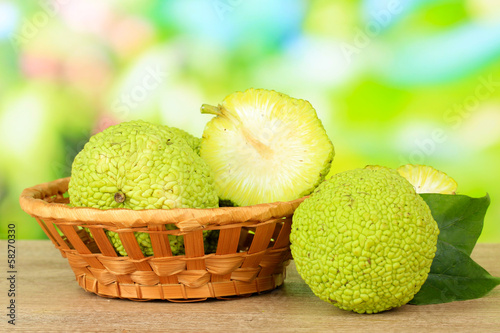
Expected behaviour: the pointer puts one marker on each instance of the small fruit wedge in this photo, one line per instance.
(264, 146)
(375, 167)
(426, 179)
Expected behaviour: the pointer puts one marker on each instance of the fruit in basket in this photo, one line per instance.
(364, 240)
(264, 146)
(139, 165)
(426, 179)
(192, 141)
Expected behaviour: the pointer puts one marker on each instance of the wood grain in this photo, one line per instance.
(48, 299)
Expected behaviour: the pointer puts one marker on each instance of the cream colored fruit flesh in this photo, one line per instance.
(264, 146)
(426, 179)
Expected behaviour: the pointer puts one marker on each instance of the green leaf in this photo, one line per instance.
(454, 276)
(459, 217)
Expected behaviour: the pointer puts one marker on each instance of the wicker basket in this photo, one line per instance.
(251, 257)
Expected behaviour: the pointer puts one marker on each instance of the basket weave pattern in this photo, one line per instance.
(252, 252)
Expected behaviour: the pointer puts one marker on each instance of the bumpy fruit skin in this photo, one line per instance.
(150, 165)
(265, 146)
(139, 165)
(364, 240)
(191, 140)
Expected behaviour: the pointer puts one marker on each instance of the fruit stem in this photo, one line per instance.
(210, 109)
(119, 197)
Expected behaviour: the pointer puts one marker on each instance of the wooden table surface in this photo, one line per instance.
(48, 299)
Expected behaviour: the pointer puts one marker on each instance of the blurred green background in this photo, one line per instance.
(394, 82)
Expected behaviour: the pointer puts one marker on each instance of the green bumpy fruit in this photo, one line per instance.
(192, 141)
(364, 240)
(139, 165)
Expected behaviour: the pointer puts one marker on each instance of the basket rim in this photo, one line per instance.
(186, 219)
